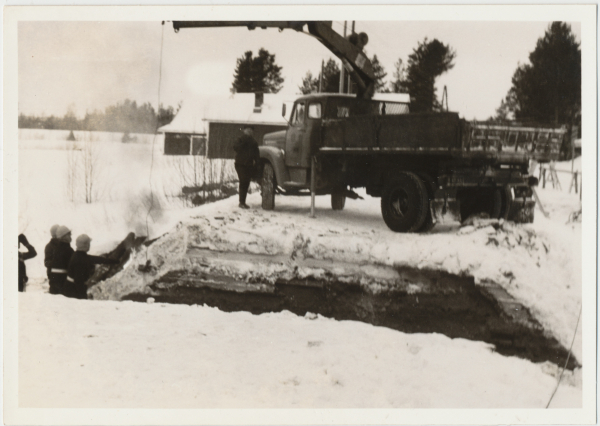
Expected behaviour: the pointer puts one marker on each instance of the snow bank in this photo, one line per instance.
(536, 264)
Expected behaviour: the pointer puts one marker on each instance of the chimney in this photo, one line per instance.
(259, 98)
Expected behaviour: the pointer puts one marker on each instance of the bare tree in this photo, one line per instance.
(91, 168)
(73, 151)
(202, 176)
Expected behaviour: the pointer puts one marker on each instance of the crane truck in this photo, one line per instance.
(426, 167)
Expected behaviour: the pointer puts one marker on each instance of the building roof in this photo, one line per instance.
(195, 114)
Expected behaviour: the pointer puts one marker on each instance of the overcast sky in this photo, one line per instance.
(90, 65)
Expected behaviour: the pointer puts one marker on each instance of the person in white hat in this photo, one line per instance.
(49, 250)
(81, 268)
(60, 260)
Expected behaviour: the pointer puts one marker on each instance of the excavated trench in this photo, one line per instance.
(445, 303)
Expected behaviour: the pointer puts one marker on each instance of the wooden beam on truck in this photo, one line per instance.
(313, 182)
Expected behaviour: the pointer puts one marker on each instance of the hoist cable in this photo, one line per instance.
(568, 357)
(150, 207)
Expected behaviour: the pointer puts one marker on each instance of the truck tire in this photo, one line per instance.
(338, 201)
(267, 187)
(404, 203)
(502, 201)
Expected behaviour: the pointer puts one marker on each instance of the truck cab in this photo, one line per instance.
(289, 152)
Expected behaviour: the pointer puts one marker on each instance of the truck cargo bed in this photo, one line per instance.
(441, 134)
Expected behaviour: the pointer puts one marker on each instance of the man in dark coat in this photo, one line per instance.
(49, 250)
(246, 160)
(81, 268)
(60, 260)
(22, 258)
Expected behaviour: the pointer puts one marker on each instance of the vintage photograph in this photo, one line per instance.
(375, 213)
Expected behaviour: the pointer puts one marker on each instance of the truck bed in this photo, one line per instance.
(440, 134)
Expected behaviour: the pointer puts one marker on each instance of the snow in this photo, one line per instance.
(175, 356)
(134, 355)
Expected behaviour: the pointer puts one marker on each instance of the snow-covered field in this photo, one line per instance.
(79, 354)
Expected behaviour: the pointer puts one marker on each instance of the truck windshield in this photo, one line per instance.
(352, 107)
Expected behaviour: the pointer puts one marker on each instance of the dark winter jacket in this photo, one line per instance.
(61, 258)
(22, 269)
(49, 253)
(246, 151)
(81, 268)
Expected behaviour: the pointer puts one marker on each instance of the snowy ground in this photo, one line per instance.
(167, 356)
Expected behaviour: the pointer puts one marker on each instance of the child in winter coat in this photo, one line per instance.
(60, 260)
(22, 258)
(81, 268)
(49, 250)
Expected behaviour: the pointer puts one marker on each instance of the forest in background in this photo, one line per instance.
(124, 117)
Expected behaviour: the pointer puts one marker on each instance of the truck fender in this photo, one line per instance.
(276, 157)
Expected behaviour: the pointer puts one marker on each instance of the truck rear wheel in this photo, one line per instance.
(404, 203)
(502, 203)
(338, 200)
(267, 187)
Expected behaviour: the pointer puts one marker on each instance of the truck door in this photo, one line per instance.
(295, 136)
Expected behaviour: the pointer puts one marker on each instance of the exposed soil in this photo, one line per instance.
(452, 305)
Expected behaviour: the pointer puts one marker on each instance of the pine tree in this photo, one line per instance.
(548, 89)
(257, 73)
(398, 84)
(427, 62)
(380, 74)
(331, 80)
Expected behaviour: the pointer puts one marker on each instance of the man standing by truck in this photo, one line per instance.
(246, 161)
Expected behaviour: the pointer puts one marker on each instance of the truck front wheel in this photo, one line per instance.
(267, 187)
(404, 203)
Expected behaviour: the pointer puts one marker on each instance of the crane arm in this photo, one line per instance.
(348, 50)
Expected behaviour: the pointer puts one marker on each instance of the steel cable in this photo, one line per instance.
(568, 357)
(150, 207)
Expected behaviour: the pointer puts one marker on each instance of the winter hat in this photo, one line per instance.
(83, 242)
(62, 231)
(53, 230)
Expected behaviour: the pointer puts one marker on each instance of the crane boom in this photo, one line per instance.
(348, 50)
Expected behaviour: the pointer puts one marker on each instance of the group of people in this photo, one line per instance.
(67, 269)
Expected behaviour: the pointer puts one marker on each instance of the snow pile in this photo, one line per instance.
(87, 354)
(534, 263)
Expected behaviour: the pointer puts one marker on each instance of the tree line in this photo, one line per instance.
(546, 90)
(429, 60)
(124, 117)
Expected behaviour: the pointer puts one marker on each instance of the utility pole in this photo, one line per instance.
(342, 69)
(349, 80)
(321, 76)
